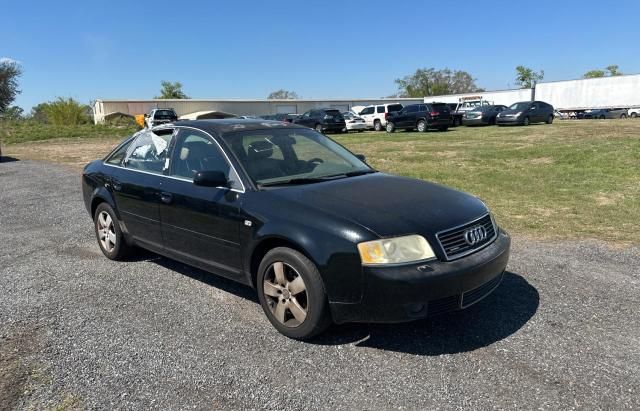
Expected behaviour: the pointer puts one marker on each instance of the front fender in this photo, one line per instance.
(335, 256)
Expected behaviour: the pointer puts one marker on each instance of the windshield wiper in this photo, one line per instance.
(311, 180)
(293, 181)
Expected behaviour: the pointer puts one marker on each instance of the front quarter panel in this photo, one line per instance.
(327, 240)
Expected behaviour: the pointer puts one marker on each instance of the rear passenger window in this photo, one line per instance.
(380, 109)
(148, 152)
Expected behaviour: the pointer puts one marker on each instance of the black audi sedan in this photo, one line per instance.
(320, 235)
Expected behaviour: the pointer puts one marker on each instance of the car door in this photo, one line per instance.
(200, 225)
(367, 115)
(136, 186)
(406, 117)
(303, 119)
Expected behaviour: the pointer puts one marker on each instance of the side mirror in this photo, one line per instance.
(361, 157)
(210, 179)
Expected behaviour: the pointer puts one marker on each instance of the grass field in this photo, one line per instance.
(573, 179)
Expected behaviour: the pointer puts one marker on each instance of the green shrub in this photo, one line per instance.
(66, 112)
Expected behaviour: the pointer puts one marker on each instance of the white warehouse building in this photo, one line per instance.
(604, 92)
(196, 109)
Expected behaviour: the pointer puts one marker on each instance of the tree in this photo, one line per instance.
(611, 71)
(431, 82)
(594, 74)
(283, 95)
(171, 90)
(9, 73)
(12, 113)
(526, 77)
(39, 113)
(66, 112)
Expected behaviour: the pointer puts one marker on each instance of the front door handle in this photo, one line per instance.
(166, 197)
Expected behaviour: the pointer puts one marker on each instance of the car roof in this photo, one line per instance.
(230, 125)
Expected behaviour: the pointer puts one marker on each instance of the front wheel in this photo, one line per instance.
(377, 125)
(623, 116)
(421, 126)
(550, 119)
(318, 128)
(525, 122)
(292, 294)
(390, 127)
(634, 115)
(108, 232)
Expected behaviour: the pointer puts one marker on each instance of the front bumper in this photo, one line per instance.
(356, 126)
(508, 120)
(480, 121)
(410, 292)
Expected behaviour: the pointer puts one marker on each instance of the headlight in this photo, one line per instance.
(395, 250)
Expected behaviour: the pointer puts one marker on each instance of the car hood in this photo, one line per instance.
(389, 205)
(507, 111)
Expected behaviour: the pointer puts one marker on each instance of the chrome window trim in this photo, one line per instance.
(466, 253)
(175, 127)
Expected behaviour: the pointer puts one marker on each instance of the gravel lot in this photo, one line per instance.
(80, 331)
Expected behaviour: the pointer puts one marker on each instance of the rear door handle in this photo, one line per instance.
(166, 197)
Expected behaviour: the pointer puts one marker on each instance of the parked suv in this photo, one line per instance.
(634, 112)
(324, 119)
(160, 116)
(420, 117)
(376, 116)
(525, 113)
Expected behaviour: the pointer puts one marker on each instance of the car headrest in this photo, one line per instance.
(260, 149)
(184, 153)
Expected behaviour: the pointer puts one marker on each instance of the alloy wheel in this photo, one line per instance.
(286, 294)
(422, 126)
(106, 231)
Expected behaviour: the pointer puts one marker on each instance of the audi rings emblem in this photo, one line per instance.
(475, 235)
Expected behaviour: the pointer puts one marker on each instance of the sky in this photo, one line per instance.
(319, 49)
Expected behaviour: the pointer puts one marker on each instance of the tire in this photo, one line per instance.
(550, 119)
(443, 128)
(377, 125)
(108, 233)
(292, 294)
(634, 115)
(623, 116)
(318, 128)
(421, 126)
(391, 128)
(525, 121)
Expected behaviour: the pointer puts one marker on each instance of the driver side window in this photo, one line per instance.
(195, 151)
(148, 152)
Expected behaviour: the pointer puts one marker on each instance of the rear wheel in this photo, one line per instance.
(623, 115)
(634, 115)
(292, 294)
(421, 126)
(108, 232)
(550, 119)
(525, 122)
(377, 125)
(318, 128)
(390, 127)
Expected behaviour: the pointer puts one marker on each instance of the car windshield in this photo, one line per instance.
(165, 115)
(519, 106)
(292, 156)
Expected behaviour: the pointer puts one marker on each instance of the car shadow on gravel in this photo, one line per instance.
(495, 318)
(5, 159)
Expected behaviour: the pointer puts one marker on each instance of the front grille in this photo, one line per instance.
(477, 294)
(454, 244)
